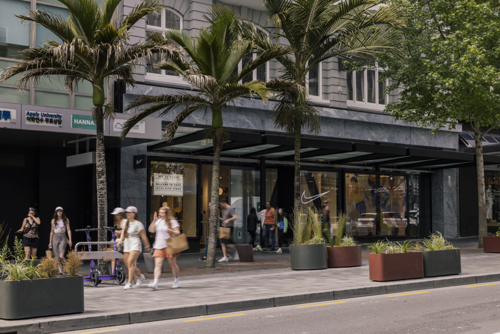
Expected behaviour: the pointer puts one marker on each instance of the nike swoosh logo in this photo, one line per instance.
(310, 199)
(138, 162)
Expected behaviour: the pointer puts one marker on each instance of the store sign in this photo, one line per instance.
(43, 118)
(83, 122)
(168, 184)
(119, 124)
(306, 200)
(8, 116)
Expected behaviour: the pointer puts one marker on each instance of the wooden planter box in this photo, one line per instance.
(308, 257)
(349, 256)
(41, 297)
(392, 267)
(442, 262)
(491, 244)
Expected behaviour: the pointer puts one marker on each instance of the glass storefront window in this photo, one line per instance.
(319, 191)
(206, 190)
(375, 205)
(174, 185)
(492, 183)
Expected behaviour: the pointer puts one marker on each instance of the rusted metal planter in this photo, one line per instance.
(491, 244)
(245, 253)
(349, 256)
(392, 267)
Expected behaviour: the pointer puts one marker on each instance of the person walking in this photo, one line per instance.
(269, 227)
(228, 218)
(119, 216)
(262, 216)
(164, 226)
(282, 229)
(252, 222)
(31, 240)
(132, 233)
(58, 240)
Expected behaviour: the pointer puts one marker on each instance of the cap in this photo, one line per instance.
(131, 209)
(117, 211)
(59, 208)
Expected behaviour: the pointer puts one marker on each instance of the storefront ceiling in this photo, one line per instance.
(279, 147)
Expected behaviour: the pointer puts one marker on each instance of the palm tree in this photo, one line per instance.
(319, 30)
(93, 48)
(209, 63)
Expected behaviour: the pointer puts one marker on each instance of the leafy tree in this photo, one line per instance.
(451, 71)
(209, 63)
(318, 30)
(94, 48)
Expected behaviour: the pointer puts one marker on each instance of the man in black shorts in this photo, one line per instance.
(228, 218)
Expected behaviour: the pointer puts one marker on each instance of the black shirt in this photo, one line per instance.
(252, 222)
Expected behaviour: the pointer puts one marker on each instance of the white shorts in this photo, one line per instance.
(132, 244)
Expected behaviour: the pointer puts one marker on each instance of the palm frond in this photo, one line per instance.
(139, 11)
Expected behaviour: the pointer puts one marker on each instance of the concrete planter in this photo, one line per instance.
(442, 262)
(392, 267)
(41, 297)
(491, 244)
(349, 256)
(308, 257)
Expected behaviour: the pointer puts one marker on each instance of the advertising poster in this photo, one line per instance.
(168, 184)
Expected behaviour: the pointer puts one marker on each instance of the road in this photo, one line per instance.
(464, 309)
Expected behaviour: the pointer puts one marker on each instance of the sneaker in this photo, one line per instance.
(224, 259)
(236, 256)
(176, 285)
(259, 247)
(255, 249)
(140, 280)
(279, 251)
(153, 286)
(128, 286)
(202, 259)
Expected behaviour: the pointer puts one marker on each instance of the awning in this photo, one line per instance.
(279, 147)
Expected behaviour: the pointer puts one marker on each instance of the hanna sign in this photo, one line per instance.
(83, 122)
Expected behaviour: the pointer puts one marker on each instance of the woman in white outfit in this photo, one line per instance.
(164, 225)
(58, 241)
(132, 233)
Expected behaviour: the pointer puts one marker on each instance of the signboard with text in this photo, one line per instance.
(118, 125)
(83, 122)
(7, 115)
(43, 118)
(168, 184)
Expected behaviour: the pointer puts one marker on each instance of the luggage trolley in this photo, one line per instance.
(95, 276)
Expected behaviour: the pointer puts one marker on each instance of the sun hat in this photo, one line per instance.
(131, 209)
(59, 208)
(117, 211)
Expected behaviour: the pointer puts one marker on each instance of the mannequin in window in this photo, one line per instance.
(489, 203)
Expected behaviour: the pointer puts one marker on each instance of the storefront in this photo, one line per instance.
(378, 201)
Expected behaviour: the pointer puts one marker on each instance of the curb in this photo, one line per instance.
(118, 319)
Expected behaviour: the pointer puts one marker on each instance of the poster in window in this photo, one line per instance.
(168, 184)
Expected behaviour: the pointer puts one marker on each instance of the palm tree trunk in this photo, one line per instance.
(218, 141)
(481, 190)
(296, 179)
(102, 193)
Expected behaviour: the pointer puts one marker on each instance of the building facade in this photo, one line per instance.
(391, 179)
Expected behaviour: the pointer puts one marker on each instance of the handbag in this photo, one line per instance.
(225, 233)
(49, 254)
(177, 244)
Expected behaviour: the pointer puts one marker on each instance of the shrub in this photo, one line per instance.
(436, 241)
(307, 229)
(47, 267)
(379, 247)
(72, 264)
(16, 271)
(347, 241)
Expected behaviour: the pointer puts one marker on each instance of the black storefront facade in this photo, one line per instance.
(384, 190)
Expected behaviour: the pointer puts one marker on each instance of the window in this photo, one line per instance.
(313, 81)
(261, 73)
(364, 88)
(14, 35)
(161, 23)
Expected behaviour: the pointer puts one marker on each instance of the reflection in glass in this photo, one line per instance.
(153, 19)
(247, 59)
(376, 204)
(262, 73)
(350, 89)
(360, 86)
(314, 80)
(14, 35)
(172, 21)
(371, 85)
(381, 92)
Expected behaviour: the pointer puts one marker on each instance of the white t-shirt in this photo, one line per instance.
(133, 240)
(161, 233)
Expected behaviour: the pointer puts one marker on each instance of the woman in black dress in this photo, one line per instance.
(30, 233)
(252, 222)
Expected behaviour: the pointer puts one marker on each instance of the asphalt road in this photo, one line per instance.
(464, 309)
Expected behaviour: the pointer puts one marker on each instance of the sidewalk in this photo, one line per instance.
(220, 292)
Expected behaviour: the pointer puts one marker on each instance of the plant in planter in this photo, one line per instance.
(23, 280)
(440, 257)
(342, 250)
(308, 250)
(390, 261)
(492, 242)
